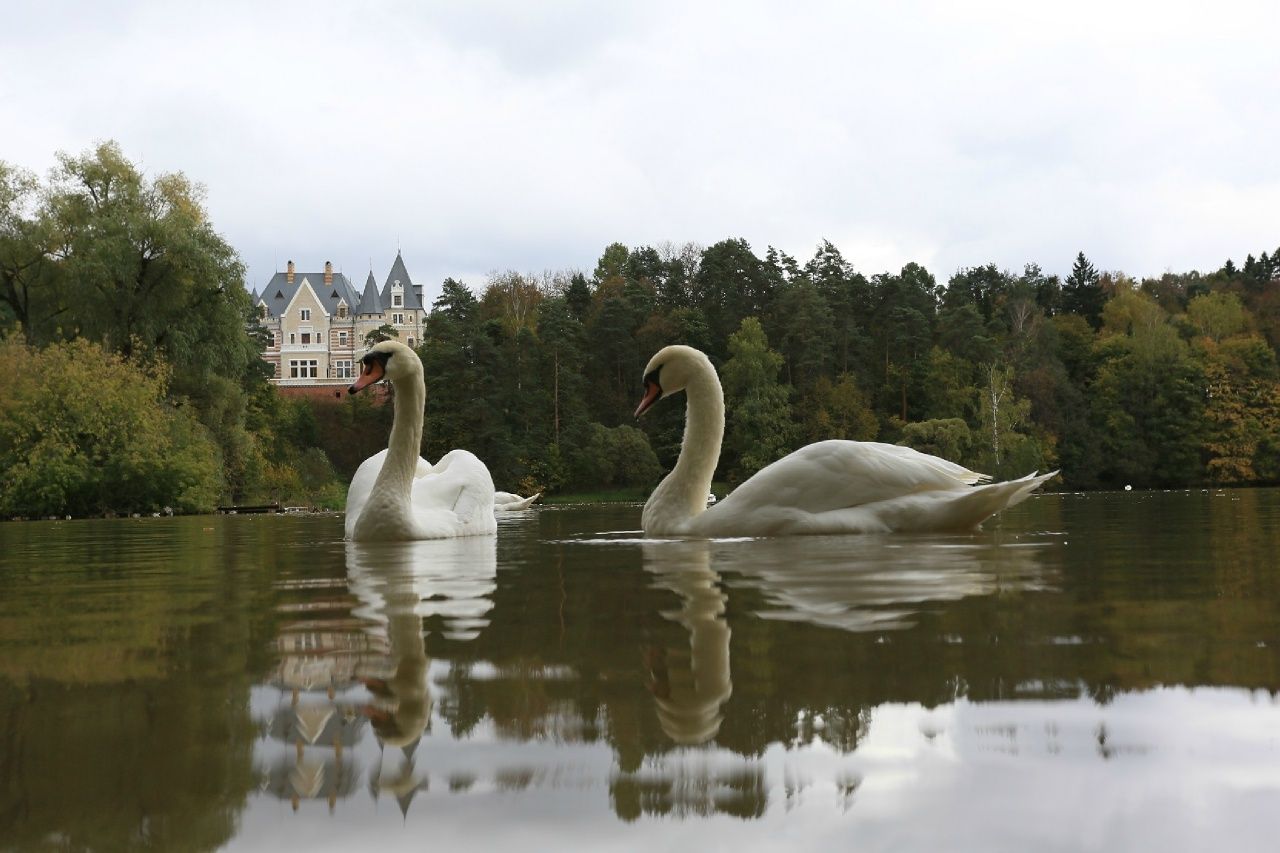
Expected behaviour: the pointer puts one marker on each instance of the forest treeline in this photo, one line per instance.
(1162, 382)
(136, 382)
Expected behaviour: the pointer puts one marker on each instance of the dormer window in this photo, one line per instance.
(305, 313)
(397, 301)
(342, 311)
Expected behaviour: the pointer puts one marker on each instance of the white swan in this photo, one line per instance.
(396, 495)
(509, 502)
(827, 487)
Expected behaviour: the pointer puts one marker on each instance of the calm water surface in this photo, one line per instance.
(1093, 672)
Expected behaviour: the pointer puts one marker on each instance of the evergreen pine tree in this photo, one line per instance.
(1082, 293)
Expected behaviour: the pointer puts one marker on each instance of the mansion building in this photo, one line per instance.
(317, 322)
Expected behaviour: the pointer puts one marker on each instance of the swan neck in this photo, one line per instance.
(703, 433)
(404, 446)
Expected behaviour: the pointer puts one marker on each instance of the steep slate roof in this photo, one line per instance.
(278, 293)
(369, 302)
(412, 293)
(253, 296)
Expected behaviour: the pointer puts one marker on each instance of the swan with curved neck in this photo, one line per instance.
(396, 495)
(824, 488)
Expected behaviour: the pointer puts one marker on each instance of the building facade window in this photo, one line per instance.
(305, 313)
(342, 339)
(306, 337)
(410, 343)
(303, 369)
(397, 301)
(397, 319)
(342, 369)
(293, 339)
(342, 311)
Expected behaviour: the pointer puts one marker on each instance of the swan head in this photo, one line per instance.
(669, 371)
(386, 360)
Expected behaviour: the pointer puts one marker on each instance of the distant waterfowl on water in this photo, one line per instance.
(510, 502)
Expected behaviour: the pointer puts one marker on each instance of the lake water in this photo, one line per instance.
(1092, 672)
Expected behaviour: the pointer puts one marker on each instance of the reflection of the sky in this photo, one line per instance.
(1167, 769)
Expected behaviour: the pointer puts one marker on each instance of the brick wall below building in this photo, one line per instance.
(331, 393)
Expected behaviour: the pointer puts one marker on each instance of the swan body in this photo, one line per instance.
(396, 495)
(509, 502)
(828, 487)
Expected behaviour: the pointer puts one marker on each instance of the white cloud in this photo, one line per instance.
(511, 135)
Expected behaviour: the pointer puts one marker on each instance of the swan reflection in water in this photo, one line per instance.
(404, 587)
(347, 668)
(852, 583)
(690, 684)
(871, 583)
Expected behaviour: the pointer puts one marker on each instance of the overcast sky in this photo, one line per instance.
(481, 136)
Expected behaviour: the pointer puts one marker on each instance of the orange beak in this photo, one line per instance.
(372, 372)
(652, 391)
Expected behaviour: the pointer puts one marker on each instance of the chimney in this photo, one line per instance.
(328, 273)
(288, 276)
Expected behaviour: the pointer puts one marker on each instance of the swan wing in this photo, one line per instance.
(460, 485)
(834, 475)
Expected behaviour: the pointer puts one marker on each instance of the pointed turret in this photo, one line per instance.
(398, 277)
(369, 302)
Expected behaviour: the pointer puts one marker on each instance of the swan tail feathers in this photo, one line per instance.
(1029, 484)
(952, 510)
(984, 501)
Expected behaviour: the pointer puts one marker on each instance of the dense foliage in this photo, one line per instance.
(139, 383)
(133, 353)
(1164, 382)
